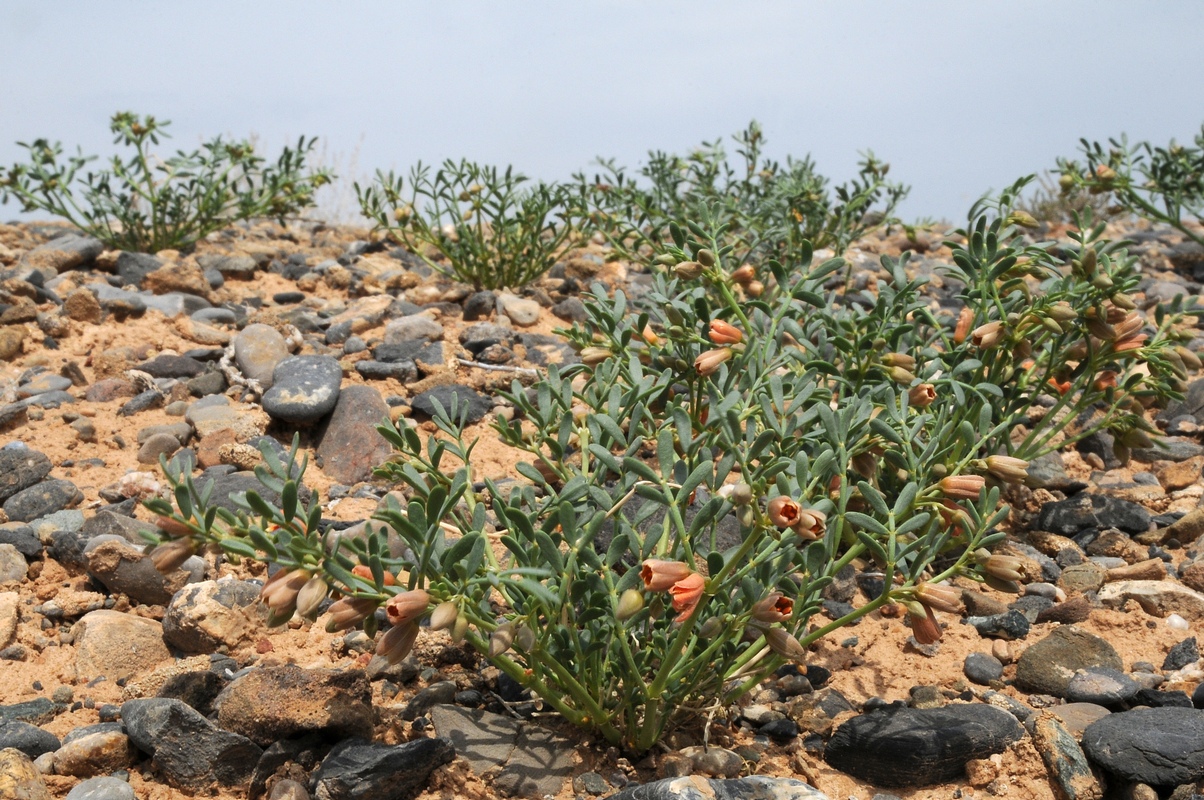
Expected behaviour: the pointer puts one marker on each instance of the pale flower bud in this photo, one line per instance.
(901, 376)
(744, 275)
(987, 336)
(708, 361)
(397, 642)
(444, 616)
(687, 270)
(311, 597)
(524, 638)
(501, 640)
(592, 356)
(1005, 568)
(940, 597)
(755, 288)
(348, 612)
(1008, 468)
(169, 556)
(785, 645)
(899, 360)
(630, 603)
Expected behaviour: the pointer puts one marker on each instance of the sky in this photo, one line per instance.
(959, 97)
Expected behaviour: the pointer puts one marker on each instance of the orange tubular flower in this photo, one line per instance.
(364, 571)
(774, 608)
(987, 336)
(925, 628)
(784, 512)
(406, 606)
(686, 595)
(965, 318)
(659, 576)
(722, 332)
(708, 361)
(921, 396)
(1131, 343)
(1106, 380)
(963, 487)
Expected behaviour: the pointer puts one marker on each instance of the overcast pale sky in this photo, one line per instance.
(959, 97)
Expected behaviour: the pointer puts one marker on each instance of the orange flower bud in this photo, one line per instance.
(649, 336)
(921, 396)
(744, 275)
(1008, 468)
(987, 336)
(924, 626)
(965, 318)
(774, 608)
(1105, 380)
(686, 595)
(722, 332)
(963, 487)
(708, 362)
(659, 576)
(784, 512)
(364, 571)
(406, 606)
(755, 288)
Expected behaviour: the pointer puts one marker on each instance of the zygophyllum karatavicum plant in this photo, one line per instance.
(146, 203)
(715, 459)
(1165, 184)
(768, 209)
(472, 223)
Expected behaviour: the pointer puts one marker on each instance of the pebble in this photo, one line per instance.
(1047, 666)
(29, 739)
(19, 778)
(258, 348)
(982, 668)
(355, 768)
(521, 311)
(1101, 686)
(304, 389)
(187, 748)
(41, 499)
(350, 447)
(103, 788)
(453, 397)
(20, 468)
(411, 328)
(132, 268)
(117, 645)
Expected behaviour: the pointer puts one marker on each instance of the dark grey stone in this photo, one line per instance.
(442, 693)
(38, 711)
(983, 668)
(571, 309)
(304, 389)
(402, 371)
(1068, 517)
(151, 398)
(361, 770)
(1158, 746)
(24, 539)
(1155, 698)
(20, 468)
(105, 522)
(467, 402)
(229, 266)
(132, 268)
(198, 689)
(1064, 760)
(754, 787)
(479, 306)
(1012, 625)
(476, 338)
(1184, 653)
(65, 252)
(185, 746)
(29, 739)
(166, 366)
(900, 746)
(41, 499)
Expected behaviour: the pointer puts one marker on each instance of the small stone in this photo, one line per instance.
(116, 645)
(463, 399)
(258, 348)
(1048, 666)
(19, 778)
(1159, 746)
(479, 305)
(160, 444)
(98, 751)
(1064, 760)
(42, 499)
(1012, 625)
(103, 788)
(82, 306)
(63, 253)
(187, 748)
(20, 468)
(360, 769)
(207, 615)
(1157, 598)
(349, 447)
(274, 703)
(412, 328)
(520, 310)
(1101, 686)
(29, 739)
(404, 372)
(304, 389)
(982, 668)
(11, 337)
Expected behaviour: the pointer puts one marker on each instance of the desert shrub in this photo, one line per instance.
(768, 208)
(1164, 184)
(721, 452)
(146, 203)
(472, 223)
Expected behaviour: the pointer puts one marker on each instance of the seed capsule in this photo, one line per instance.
(706, 257)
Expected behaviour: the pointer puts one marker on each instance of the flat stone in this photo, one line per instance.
(108, 390)
(204, 616)
(356, 769)
(1158, 746)
(1010, 625)
(304, 389)
(42, 499)
(476, 338)
(350, 447)
(1181, 655)
(230, 266)
(274, 703)
(412, 328)
(43, 383)
(117, 645)
(521, 311)
(1157, 598)
(132, 268)
(179, 277)
(63, 253)
(1068, 517)
(212, 414)
(167, 366)
(484, 739)
(1048, 666)
(982, 668)
(20, 468)
(159, 444)
(82, 306)
(186, 747)
(479, 305)
(107, 522)
(1101, 686)
(258, 348)
(900, 746)
(404, 372)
